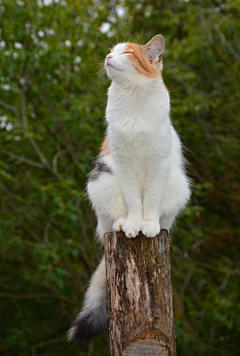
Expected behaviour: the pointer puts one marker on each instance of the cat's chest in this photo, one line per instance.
(131, 137)
(135, 140)
(138, 126)
(137, 129)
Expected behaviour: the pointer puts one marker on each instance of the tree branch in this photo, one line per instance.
(30, 139)
(11, 108)
(26, 160)
(58, 155)
(216, 49)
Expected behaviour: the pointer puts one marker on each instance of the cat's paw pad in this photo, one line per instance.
(131, 228)
(118, 224)
(150, 228)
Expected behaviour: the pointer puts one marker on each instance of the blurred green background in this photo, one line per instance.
(52, 102)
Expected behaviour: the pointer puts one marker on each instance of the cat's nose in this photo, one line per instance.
(108, 56)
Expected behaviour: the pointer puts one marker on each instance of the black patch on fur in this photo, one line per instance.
(98, 169)
(87, 326)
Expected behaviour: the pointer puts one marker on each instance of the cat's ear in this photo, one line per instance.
(154, 48)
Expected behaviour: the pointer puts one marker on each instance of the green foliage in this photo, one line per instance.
(52, 103)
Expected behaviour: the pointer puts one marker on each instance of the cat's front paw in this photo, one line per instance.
(131, 228)
(118, 223)
(150, 228)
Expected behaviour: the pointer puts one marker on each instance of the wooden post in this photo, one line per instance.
(140, 306)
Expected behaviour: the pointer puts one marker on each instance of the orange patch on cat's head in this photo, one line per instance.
(146, 59)
(140, 62)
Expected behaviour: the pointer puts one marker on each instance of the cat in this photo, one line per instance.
(139, 181)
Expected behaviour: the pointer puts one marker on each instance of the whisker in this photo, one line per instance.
(102, 83)
(118, 41)
(109, 42)
(94, 64)
(102, 58)
(129, 38)
(101, 76)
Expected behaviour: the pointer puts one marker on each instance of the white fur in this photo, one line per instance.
(148, 187)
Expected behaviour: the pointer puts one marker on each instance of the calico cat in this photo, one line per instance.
(139, 181)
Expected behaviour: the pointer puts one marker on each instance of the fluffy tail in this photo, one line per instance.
(93, 319)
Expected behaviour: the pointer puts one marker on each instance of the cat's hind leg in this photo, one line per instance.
(166, 221)
(107, 199)
(175, 198)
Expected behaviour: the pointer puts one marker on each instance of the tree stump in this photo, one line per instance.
(140, 305)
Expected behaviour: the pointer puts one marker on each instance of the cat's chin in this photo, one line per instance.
(114, 73)
(112, 67)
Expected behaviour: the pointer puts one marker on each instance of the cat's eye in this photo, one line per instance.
(125, 52)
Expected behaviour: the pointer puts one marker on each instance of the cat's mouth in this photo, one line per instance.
(110, 65)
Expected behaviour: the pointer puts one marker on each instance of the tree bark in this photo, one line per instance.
(140, 305)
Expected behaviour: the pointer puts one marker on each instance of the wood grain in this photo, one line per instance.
(140, 305)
